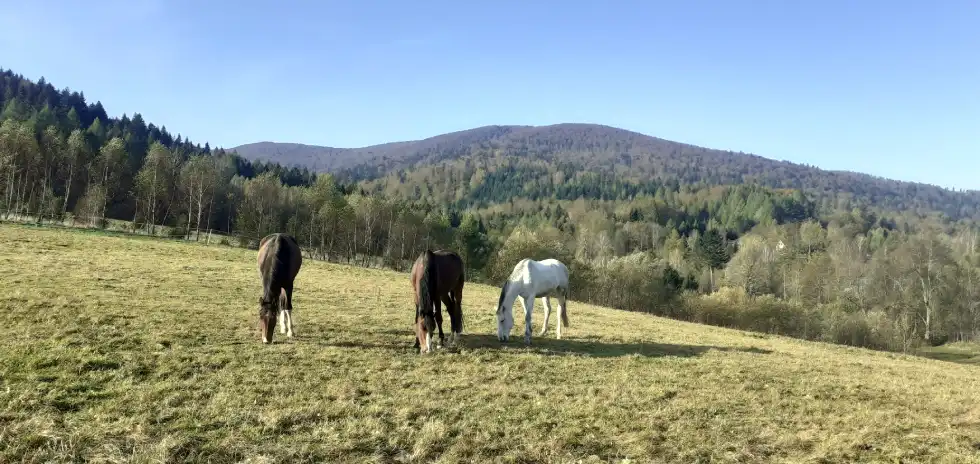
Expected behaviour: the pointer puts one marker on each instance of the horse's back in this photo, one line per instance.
(295, 253)
(552, 262)
(452, 262)
(558, 265)
(271, 255)
(552, 272)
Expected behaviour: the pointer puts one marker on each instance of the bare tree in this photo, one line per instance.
(77, 150)
(199, 177)
(152, 182)
(112, 162)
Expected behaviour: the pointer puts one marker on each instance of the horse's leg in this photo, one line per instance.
(528, 307)
(451, 309)
(458, 310)
(438, 303)
(547, 314)
(417, 345)
(283, 305)
(289, 310)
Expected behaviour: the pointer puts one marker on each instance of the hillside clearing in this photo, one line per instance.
(143, 350)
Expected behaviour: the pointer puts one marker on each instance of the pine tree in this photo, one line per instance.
(710, 250)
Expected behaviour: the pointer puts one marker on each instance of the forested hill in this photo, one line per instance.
(634, 158)
(65, 165)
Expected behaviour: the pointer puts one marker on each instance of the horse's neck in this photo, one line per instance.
(268, 292)
(514, 290)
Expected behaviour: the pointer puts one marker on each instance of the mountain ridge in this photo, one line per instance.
(311, 155)
(627, 155)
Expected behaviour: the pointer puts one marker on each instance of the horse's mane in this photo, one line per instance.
(426, 281)
(519, 269)
(280, 249)
(503, 291)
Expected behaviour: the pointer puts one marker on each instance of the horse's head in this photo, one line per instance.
(505, 322)
(425, 327)
(268, 311)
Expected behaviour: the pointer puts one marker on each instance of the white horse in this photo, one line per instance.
(531, 279)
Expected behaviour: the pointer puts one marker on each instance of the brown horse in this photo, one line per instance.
(279, 262)
(437, 277)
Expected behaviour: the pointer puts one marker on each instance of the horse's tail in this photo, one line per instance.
(459, 301)
(427, 283)
(459, 306)
(564, 307)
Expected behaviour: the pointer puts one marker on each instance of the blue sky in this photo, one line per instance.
(891, 88)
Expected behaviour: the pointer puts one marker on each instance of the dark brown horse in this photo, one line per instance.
(437, 277)
(279, 262)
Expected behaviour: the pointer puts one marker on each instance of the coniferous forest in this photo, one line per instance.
(841, 263)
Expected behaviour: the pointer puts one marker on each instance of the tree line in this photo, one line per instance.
(743, 256)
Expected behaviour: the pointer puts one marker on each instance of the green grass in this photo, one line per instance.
(128, 349)
(964, 353)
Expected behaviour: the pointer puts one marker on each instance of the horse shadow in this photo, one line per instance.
(588, 347)
(594, 347)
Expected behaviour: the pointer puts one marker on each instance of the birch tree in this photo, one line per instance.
(17, 146)
(53, 156)
(112, 163)
(198, 179)
(75, 155)
(153, 181)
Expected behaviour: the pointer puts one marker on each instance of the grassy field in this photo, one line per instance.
(964, 353)
(127, 349)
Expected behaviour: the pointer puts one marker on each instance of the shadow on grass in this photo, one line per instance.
(951, 355)
(399, 346)
(553, 347)
(595, 348)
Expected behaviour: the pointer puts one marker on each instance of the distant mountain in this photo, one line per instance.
(630, 155)
(330, 159)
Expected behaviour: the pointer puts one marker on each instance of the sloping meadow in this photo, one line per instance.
(123, 349)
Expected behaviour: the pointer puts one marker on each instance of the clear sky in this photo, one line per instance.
(890, 88)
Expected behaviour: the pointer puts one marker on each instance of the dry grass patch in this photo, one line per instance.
(121, 349)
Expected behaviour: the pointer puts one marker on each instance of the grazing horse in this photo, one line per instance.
(437, 277)
(528, 280)
(279, 262)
